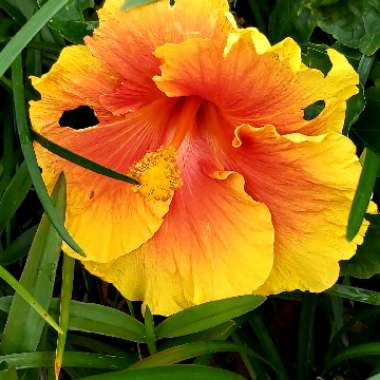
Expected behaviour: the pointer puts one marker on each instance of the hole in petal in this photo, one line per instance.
(79, 118)
(313, 111)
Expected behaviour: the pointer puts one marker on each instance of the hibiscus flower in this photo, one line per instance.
(238, 192)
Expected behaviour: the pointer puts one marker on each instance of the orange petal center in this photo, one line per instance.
(157, 172)
(185, 120)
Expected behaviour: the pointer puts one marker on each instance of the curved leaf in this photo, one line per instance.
(355, 294)
(175, 372)
(184, 352)
(14, 195)
(27, 33)
(207, 315)
(38, 277)
(27, 360)
(361, 350)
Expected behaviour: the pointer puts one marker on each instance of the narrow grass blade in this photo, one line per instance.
(355, 294)
(14, 195)
(9, 159)
(353, 352)
(28, 31)
(64, 316)
(305, 354)
(184, 352)
(30, 157)
(80, 160)
(38, 277)
(149, 329)
(370, 172)
(28, 360)
(207, 315)
(18, 247)
(95, 319)
(89, 344)
(23, 293)
(105, 320)
(260, 330)
(254, 369)
(175, 372)
(220, 333)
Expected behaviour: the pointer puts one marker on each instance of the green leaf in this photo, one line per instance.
(9, 157)
(367, 129)
(129, 4)
(257, 13)
(363, 192)
(105, 320)
(355, 106)
(315, 56)
(96, 319)
(305, 346)
(30, 157)
(7, 373)
(312, 111)
(18, 248)
(27, 33)
(175, 372)
(207, 315)
(290, 18)
(8, 7)
(28, 298)
(220, 333)
(149, 330)
(38, 277)
(354, 23)
(269, 347)
(14, 195)
(26, 7)
(376, 377)
(362, 350)
(71, 23)
(366, 262)
(80, 160)
(27, 360)
(355, 294)
(68, 267)
(184, 352)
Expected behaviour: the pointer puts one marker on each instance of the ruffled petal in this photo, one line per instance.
(257, 84)
(216, 242)
(76, 79)
(126, 40)
(308, 183)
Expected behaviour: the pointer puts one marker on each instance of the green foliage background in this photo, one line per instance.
(334, 335)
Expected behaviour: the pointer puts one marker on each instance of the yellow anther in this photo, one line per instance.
(157, 173)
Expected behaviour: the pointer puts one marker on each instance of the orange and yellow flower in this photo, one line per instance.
(238, 193)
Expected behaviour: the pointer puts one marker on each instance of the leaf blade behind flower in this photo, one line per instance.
(27, 32)
(30, 157)
(175, 372)
(207, 315)
(38, 277)
(80, 160)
